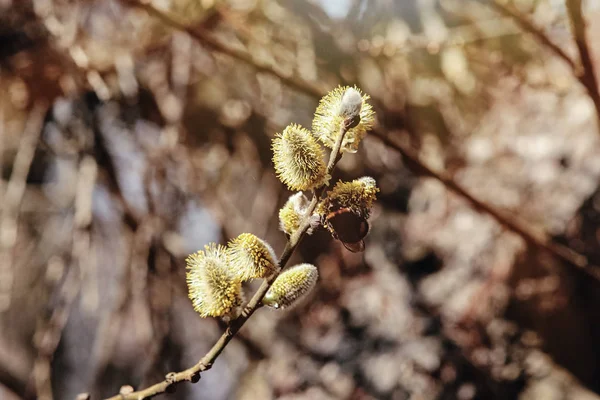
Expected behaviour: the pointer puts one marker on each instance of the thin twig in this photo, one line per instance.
(584, 72)
(47, 337)
(15, 190)
(2, 144)
(204, 36)
(541, 241)
(587, 77)
(112, 320)
(536, 32)
(192, 374)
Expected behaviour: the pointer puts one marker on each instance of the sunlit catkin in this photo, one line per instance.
(251, 257)
(211, 287)
(292, 212)
(298, 159)
(343, 105)
(291, 286)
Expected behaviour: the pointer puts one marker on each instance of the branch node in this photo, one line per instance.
(196, 377)
(170, 377)
(125, 390)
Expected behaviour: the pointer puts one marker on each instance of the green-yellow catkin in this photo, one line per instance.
(291, 213)
(357, 195)
(340, 104)
(298, 159)
(291, 286)
(211, 287)
(251, 257)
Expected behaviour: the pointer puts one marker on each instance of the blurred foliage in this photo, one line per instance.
(153, 143)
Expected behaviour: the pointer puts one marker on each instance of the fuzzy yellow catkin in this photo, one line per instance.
(251, 257)
(298, 159)
(343, 103)
(291, 286)
(211, 287)
(291, 213)
(357, 195)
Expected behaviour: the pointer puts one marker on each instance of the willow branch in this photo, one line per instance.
(587, 77)
(192, 374)
(12, 198)
(584, 72)
(536, 32)
(541, 241)
(206, 38)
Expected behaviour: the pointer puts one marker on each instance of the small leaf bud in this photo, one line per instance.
(350, 107)
(343, 105)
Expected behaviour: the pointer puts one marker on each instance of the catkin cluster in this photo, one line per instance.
(299, 164)
(297, 156)
(215, 274)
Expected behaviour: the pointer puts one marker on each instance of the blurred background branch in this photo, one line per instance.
(175, 103)
(528, 27)
(563, 253)
(588, 74)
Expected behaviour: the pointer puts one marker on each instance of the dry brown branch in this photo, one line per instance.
(13, 384)
(2, 144)
(205, 38)
(588, 75)
(585, 71)
(15, 189)
(192, 374)
(112, 320)
(48, 336)
(561, 252)
(536, 32)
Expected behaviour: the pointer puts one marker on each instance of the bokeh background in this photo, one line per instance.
(132, 134)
